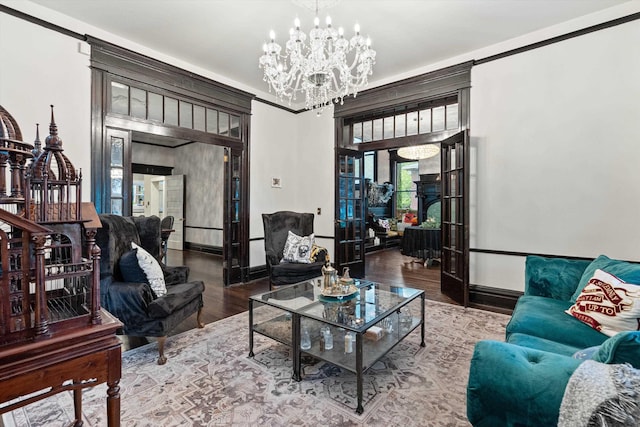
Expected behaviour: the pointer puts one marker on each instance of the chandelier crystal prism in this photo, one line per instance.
(325, 66)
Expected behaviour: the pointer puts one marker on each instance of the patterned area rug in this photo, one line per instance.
(209, 381)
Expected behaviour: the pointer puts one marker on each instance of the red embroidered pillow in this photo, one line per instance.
(608, 304)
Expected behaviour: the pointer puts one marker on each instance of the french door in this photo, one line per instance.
(454, 280)
(234, 252)
(349, 223)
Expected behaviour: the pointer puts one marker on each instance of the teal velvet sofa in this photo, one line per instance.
(521, 382)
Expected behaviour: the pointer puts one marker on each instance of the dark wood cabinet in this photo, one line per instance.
(428, 192)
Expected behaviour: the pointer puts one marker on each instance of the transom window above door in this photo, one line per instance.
(419, 121)
(147, 105)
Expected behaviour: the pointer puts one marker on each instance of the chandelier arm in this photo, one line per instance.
(317, 66)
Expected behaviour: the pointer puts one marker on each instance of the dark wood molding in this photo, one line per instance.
(151, 169)
(560, 38)
(437, 83)
(198, 247)
(204, 228)
(153, 144)
(258, 272)
(41, 22)
(280, 106)
(503, 300)
(161, 129)
(130, 64)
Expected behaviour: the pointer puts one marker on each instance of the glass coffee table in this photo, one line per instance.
(352, 332)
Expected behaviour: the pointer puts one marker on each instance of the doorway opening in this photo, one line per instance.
(186, 182)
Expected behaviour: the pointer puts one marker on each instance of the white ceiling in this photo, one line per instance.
(226, 36)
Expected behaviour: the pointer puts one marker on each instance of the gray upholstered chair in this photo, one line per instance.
(276, 230)
(124, 290)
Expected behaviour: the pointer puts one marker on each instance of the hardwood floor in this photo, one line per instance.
(385, 266)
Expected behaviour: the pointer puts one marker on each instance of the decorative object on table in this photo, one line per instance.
(333, 287)
(405, 319)
(346, 279)
(431, 223)
(305, 339)
(348, 342)
(321, 69)
(325, 332)
(329, 278)
(374, 333)
(409, 217)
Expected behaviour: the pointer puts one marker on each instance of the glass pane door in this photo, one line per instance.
(233, 217)
(455, 222)
(349, 224)
(117, 198)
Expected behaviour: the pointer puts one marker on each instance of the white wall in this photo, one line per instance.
(297, 149)
(39, 68)
(555, 145)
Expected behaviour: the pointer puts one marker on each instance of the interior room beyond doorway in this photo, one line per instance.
(184, 179)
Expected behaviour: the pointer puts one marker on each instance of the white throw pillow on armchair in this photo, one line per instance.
(297, 249)
(151, 269)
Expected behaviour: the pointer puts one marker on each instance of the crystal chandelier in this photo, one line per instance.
(321, 68)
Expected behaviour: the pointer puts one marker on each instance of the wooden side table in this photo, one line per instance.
(73, 360)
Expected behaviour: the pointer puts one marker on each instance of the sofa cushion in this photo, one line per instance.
(510, 385)
(624, 270)
(177, 296)
(545, 318)
(152, 269)
(544, 344)
(608, 305)
(130, 269)
(289, 273)
(555, 278)
(621, 348)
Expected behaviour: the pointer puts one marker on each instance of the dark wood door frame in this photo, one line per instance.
(113, 63)
(454, 81)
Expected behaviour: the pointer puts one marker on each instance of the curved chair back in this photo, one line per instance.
(165, 226)
(277, 226)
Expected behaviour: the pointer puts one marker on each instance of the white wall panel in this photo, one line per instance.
(555, 150)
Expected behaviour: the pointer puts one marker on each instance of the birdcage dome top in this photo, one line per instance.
(51, 162)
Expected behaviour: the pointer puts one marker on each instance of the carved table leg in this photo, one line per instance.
(113, 404)
(199, 318)
(161, 359)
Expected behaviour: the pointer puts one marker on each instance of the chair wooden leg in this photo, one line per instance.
(161, 359)
(199, 318)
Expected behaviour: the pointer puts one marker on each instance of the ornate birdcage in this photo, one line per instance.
(49, 260)
(54, 194)
(14, 153)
